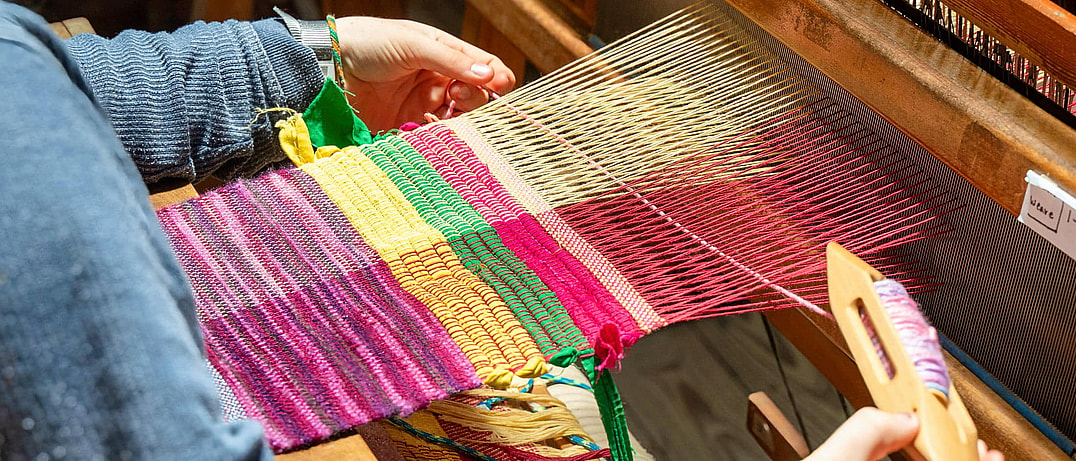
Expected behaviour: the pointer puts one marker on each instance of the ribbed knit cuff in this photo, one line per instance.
(295, 66)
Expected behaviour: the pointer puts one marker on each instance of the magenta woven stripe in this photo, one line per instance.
(302, 319)
(597, 313)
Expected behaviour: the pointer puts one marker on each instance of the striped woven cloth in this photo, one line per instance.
(566, 238)
(302, 320)
(481, 250)
(425, 265)
(608, 326)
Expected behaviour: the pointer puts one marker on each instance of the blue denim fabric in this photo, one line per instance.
(100, 356)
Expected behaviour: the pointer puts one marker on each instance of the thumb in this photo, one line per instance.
(870, 434)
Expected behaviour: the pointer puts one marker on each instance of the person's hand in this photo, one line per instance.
(871, 434)
(398, 70)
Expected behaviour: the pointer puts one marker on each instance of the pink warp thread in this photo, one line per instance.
(609, 328)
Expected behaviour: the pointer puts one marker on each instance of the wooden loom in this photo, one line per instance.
(1001, 136)
(985, 131)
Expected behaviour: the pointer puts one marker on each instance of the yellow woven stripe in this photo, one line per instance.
(425, 265)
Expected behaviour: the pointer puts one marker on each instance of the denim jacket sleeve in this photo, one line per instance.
(184, 104)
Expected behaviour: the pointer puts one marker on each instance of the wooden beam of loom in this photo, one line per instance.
(1039, 30)
(985, 131)
(222, 10)
(982, 129)
(547, 41)
(71, 27)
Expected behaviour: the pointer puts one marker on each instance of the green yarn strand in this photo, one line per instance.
(611, 408)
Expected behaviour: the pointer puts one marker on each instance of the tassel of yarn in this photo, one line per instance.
(512, 426)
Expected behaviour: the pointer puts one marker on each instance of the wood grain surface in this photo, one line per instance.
(547, 40)
(982, 129)
(1039, 30)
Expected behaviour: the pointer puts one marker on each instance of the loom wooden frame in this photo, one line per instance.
(982, 129)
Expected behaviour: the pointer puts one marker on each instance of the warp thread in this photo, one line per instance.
(567, 239)
(608, 326)
(481, 250)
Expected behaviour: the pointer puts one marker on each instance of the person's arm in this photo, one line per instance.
(183, 103)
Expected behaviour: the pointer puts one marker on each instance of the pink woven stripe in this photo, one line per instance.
(271, 278)
(644, 315)
(302, 319)
(504, 213)
(597, 312)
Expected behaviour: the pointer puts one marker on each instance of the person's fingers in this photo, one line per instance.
(986, 454)
(502, 79)
(432, 55)
(467, 97)
(869, 434)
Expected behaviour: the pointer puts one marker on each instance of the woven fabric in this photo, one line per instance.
(481, 250)
(301, 319)
(587, 300)
(421, 259)
(566, 238)
(601, 301)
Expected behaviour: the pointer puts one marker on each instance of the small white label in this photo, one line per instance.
(1050, 211)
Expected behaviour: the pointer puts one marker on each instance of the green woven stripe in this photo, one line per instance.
(419, 193)
(564, 332)
(611, 408)
(480, 249)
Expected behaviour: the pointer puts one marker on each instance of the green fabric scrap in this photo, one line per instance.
(331, 120)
